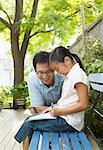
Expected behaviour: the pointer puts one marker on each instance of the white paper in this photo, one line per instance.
(41, 117)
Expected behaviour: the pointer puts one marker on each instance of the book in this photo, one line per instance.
(41, 116)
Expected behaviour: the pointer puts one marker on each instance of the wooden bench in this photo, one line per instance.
(96, 82)
(66, 141)
(59, 141)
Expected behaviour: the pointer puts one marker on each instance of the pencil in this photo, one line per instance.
(52, 105)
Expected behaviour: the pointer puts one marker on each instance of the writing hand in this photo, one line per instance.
(55, 112)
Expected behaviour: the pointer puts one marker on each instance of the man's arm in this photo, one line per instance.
(36, 99)
(39, 109)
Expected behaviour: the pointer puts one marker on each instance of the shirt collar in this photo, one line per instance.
(41, 83)
(56, 81)
(74, 68)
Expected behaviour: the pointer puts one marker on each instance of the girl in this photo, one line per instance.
(74, 98)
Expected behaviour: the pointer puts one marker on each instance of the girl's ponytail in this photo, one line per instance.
(77, 59)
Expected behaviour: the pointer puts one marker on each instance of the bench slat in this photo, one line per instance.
(74, 140)
(97, 87)
(84, 141)
(34, 141)
(45, 141)
(65, 142)
(55, 141)
(96, 77)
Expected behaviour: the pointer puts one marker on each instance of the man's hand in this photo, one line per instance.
(37, 109)
(32, 110)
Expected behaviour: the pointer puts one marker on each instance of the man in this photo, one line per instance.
(44, 88)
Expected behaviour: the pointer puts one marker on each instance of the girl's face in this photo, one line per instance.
(59, 67)
(62, 67)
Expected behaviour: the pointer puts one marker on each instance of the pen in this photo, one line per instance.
(52, 105)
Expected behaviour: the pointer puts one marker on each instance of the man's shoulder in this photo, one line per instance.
(33, 77)
(33, 73)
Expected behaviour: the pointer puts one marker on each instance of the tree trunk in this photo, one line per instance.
(18, 74)
(18, 60)
(18, 69)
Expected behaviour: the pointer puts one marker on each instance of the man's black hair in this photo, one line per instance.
(40, 57)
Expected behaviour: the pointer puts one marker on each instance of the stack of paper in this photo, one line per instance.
(41, 116)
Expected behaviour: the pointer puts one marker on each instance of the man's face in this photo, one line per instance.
(45, 73)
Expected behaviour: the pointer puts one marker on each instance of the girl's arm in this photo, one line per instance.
(82, 91)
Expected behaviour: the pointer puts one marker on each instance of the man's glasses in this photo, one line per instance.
(41, 73)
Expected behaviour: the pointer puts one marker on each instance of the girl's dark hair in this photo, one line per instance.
(40, 57)
(59, 53)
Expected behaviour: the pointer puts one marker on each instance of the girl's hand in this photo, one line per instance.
(55, 112)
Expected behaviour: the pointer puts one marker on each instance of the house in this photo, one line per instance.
(6, 72)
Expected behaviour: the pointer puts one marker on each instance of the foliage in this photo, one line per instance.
(94, 121)
(27, 102)
(93, 58)
(99, 103)
(93, 62)
(20, 91)
(96, 66)
(1, 96)
(5, 93)
(61, 17)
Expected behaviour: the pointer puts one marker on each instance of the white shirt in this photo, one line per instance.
(69, 96)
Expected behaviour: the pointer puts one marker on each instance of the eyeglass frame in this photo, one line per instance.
(48, 72)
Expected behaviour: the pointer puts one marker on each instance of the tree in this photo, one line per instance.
(18, 52)
(54, 18)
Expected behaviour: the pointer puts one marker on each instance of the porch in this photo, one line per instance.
(10, 121)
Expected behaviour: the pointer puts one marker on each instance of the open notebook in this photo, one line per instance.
(41, 117)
